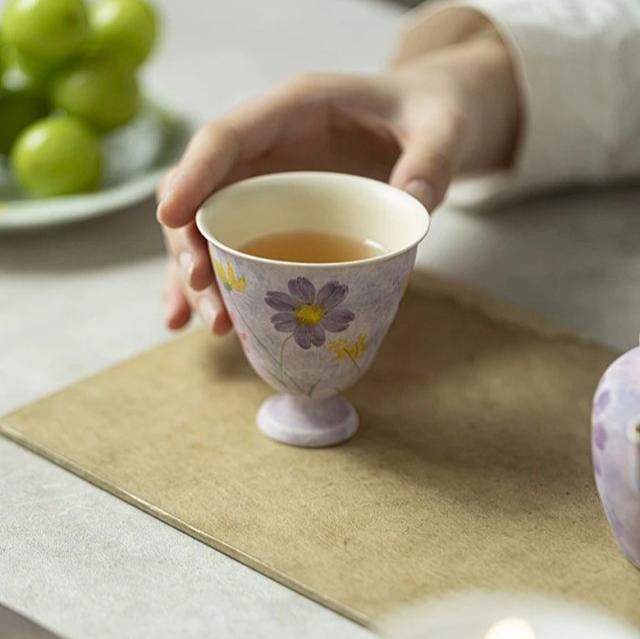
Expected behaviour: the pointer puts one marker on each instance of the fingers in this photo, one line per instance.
(430, 158)
(224, 149)
(164, 182)
(217, 149)
(190, 282)
(190, 252)
(177, 311)
(180, 302)
(210, 155)
(211, 310)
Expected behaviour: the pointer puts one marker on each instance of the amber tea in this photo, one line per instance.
(312, 246)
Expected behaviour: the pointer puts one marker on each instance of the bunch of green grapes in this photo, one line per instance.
(68, 75)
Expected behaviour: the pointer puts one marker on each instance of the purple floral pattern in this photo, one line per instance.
(311, 331)
(599, 435)
(602, 401)
(307, 314)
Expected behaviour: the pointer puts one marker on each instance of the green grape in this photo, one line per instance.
(56, 156)
(123, 28)
(103, 92)
(26, 72)
(46, 30)
(18, 109)
(35, 69)
(3, 57)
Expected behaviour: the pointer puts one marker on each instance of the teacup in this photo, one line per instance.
(310, 330)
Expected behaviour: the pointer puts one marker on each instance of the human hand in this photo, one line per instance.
(416, 125)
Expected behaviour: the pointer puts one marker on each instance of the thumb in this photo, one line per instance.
(428, 162)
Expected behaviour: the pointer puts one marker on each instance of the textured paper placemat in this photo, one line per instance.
(472, 467)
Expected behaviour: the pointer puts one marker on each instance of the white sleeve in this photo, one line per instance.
(578, 67)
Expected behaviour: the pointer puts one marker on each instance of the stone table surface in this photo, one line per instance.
(76, 299)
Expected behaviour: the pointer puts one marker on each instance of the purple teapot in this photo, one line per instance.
(616, 450)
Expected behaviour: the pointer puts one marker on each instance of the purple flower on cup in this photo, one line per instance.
(599, 435)
(602, 400)
(307, 314)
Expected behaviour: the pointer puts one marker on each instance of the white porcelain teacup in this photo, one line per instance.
(310, 330)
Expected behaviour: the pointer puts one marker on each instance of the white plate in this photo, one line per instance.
(136, 156)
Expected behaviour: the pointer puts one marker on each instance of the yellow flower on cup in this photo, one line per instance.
(343, 348)
(228, 278)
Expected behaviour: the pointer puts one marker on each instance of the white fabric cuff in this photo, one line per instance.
(570, 58)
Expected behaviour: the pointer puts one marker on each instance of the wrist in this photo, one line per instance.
(489, 96)
(431, 31)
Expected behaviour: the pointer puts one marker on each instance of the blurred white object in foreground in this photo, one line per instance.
(502, 615)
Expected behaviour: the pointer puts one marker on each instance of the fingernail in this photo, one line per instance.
(207, 311)
(223, 324)
(160, 212)
(423, 191)
(185, 259)
(162, 205)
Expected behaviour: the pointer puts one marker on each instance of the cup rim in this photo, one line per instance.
(285, 175)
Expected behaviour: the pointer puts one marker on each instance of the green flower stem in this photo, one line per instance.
(315, 384)
(284, 343)
(269, 353)
(353, 361)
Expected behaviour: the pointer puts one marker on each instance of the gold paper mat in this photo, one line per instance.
(472, 467)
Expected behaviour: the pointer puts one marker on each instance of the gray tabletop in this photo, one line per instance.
(79, 298)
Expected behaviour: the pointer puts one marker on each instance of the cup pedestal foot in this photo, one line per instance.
(311, 423)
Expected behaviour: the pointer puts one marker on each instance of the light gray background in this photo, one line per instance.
(77, 299)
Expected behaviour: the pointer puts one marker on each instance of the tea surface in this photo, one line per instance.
(312, 246)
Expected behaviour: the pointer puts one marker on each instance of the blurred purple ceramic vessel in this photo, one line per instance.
(616, 450)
